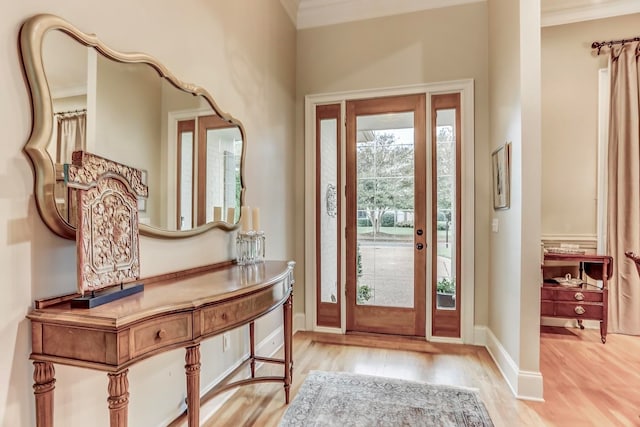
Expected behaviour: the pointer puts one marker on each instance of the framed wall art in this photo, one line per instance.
(501, 164)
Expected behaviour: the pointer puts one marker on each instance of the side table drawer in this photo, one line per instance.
(547, 294)
(578, 295)
(162, 332)
(546, 308)
(584, 311)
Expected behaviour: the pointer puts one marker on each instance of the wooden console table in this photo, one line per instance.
(584, 301)
(180, 310)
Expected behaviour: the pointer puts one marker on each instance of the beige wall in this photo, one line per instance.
(243, 52)
(515, 256)
(504, 29)
(423, 47)
(570, 122)
(128, 122)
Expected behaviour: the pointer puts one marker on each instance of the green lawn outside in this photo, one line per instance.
(444, 250)
(395, 231)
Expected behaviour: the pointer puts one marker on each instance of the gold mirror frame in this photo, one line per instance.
(32, 35)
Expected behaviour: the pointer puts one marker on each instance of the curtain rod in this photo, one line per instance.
(600, 45)
(60, 113)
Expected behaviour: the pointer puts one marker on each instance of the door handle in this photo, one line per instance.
(419, 246)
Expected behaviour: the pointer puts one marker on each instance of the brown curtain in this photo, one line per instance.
(623, 204)
(71, 135)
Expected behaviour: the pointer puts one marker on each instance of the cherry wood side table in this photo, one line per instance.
(177, 310)
(584, 301)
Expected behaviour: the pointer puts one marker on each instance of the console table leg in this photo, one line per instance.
(118, 398)
(288, 327)
(252, 347)
(192, 369)
(44, 384)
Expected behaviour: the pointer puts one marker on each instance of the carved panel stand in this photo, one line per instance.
(107, 237)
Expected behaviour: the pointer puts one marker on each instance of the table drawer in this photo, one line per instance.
(547, 293)
(162, 332)
(578, 295)
(546, 308)
(226, 315)
(584, 311)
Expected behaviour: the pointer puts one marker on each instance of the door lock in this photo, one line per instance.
(419, 232)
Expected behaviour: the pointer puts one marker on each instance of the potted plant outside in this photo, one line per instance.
(446, 292)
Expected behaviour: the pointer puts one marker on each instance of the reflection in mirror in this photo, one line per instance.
(132, 111)
(220, 148)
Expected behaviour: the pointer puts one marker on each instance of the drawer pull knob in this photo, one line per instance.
(161, 334)
(579, 296)
(579, 310)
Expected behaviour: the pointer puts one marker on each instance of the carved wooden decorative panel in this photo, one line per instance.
(107, 239)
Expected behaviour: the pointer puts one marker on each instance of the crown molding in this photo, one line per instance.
(67, 92)
(316, 13)
(559, 14)
(291, 7)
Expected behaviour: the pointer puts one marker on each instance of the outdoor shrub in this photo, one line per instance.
(446, 285)
(388, 219)
(364, 293)
(442, 225)
(364, 222)
(404, 224)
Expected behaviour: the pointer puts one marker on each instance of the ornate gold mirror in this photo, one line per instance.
(129, 108)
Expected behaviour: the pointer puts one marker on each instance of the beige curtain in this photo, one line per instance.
(71, 135)
(623, 204)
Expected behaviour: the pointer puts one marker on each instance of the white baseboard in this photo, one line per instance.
(214, 404)
(569, 323)
(268, 346)
(445, 340)
(271, 344)
(208, 409)
(327, 330)
(525, 385)
(299, 322)
(480, 335)
(530, 386)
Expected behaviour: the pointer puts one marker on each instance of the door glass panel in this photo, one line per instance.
(328, 210)
(385, 209)
(186, 181)
(224, 148)
(445, 208)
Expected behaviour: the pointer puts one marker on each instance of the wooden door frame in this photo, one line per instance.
(205, 123)
(188, 125)
(445, 323)
(329, 314)
(372, 318)
(307, 320)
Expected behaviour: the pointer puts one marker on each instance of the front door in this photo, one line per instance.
(386, 215)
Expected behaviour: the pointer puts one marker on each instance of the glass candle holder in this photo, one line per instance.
(250, 247)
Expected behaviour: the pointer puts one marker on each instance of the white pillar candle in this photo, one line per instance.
(217, 213)
(231, 215)
(245, 213)
(256, 219)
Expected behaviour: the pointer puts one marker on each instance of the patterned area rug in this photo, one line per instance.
(346, 399)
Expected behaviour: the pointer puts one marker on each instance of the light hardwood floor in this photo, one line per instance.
(586, 383)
